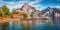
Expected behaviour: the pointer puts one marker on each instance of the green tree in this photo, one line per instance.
(1, 14)
(25, 15)
(5, 9)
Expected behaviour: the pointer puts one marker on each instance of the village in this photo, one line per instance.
(29, 13)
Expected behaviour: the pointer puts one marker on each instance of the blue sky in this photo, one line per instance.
(38, 4)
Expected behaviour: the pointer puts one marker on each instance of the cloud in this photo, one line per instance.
(11, 3)
(40, 7)
(14, 4)
(1, 1)
(58, 6)
(33, 3)
(20, 3)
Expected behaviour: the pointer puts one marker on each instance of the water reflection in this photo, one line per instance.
(14, 26)
(38, 25)
(4, 26)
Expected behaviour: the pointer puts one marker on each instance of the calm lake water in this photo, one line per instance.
(37, 25)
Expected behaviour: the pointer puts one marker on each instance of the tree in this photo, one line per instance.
(25, 15)
(5, 9)
(16, 12)
(1, 14)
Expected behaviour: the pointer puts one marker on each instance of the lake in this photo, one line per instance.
(30, 25)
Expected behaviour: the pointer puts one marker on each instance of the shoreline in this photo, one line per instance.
(19, 20)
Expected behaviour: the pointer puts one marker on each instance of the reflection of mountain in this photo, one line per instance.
(32, 12)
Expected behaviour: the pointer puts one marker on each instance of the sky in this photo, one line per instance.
(38, 4)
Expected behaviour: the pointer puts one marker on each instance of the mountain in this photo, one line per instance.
(45, 10)
(51, 13)
(32, 12)
(49, 8)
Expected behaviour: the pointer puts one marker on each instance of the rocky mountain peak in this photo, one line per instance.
(29, 9)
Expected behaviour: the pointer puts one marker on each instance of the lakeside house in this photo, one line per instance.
(17, 15)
